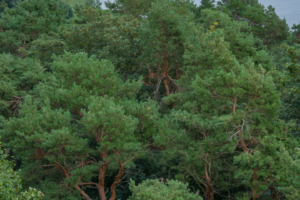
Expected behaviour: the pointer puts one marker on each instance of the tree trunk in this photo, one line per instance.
(209, 193)
(165, 81)
(165, 74)
(101, 179)
(179, 73)
(66, 173)
(116, 182)
(274, 193)
(255, 178)
(235, 15)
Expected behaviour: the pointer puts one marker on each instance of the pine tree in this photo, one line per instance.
(296, 33)
(80, 124)
(17, 78)
(229, 117)
(265, 23)
(107, 36)
(43, 48)
(164, 34)
(76, 128)
(288, 83)
(242, 44)
(24, 23)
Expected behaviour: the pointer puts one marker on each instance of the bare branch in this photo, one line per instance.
(239, 131)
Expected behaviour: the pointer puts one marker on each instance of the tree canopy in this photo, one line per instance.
(157, 99)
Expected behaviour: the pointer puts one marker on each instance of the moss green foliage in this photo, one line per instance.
(17, 77)
(108, 37)
(287, 82)
(265, 23)
(187, 102)
(74, 2)
(231, 107)
(241, 43)
(28, 19)
(163, 35)
(82, 106)
(43, 48)
(132, 7)
(154, 189)
(295, 36)
(10, 182)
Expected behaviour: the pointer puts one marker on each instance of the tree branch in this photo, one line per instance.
(116, 182)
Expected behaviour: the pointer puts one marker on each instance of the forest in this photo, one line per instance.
(148, 100)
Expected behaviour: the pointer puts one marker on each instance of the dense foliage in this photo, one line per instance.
(153, 189)
(157, 99)
(10, 182)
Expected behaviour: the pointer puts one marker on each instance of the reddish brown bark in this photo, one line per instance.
(254, 192)
(101, 178)
(78, 113)
(66, 172)
(171, 105)
(179, 73)
(62, 169)
(242, 141)
(116, 182)
(209, 192)
(38, 154)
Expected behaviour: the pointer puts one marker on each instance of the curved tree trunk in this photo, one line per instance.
(101, 177)
(116, 182)
(66, 172)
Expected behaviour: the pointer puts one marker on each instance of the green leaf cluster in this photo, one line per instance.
(10, 182)
(153, 189)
